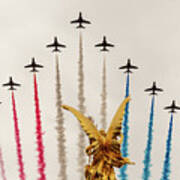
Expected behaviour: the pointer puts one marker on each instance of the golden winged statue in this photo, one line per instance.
(104, 149)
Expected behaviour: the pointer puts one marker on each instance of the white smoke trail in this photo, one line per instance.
(60, 126)
(81, 98)
(104, 96)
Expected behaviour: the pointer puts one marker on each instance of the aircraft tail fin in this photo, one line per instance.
(80, 27)
(11, 88)
(153, 93)
(172, 111)
(128, 71)
(34, 70)
(56, 50)
(104, 49)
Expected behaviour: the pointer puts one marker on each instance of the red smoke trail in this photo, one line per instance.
(39, 140)
(17, 138)
(2, 166)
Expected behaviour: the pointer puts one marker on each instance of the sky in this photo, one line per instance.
(145, 31)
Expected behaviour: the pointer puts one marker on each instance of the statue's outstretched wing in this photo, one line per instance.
(86, 124)
(116, 124)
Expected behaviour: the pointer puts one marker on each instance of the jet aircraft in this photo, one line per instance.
(153, 89)
(128, 66)
(104, 44)
(11, 83)
(33, 65)
(172, 107)
(80, 21)
(56, 45)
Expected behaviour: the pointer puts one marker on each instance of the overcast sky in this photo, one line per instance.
(148, 32)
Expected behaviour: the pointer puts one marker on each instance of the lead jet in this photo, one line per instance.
(56, 45)
(154, 88)
(11, 83)
(104, 44)
(33, 65)
(172, 107)
(80, 21)
(128, 66)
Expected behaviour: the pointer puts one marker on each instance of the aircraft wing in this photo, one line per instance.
(6, 84)
(168, 107)
(61, 45)
(123, 67)
(75, 21)
(148, 89)
(159, 89)
(177, 107)
(86, 22)
(110, 45)
(99, 45)
(28, 66)
(50, 45)
(38, 65)
(133, 67)
(16, 84)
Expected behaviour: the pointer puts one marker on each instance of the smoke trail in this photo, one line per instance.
(81, 98)
(123, 174)
(17, 138)
(166, 167)
(104, 95)
(60, 126)
(147, 159)
(3, 174)
(39, 140)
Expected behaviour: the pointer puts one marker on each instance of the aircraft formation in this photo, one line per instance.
(33, 65)
(128, 69)
(104, 47)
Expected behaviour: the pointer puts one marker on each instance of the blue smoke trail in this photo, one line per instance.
(147, 157)
(166, 167)
(123, 174)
